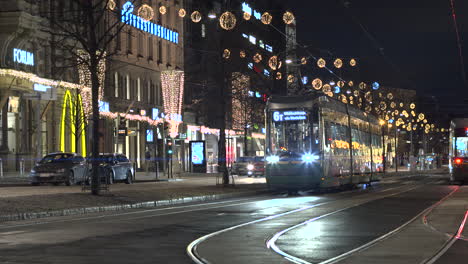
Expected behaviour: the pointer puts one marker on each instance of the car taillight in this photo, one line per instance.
(458, 161)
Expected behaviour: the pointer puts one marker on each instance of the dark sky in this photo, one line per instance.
(410, 43)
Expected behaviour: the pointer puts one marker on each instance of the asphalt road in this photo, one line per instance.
(310, 228)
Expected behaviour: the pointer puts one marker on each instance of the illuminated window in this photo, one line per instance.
(260, 43)
(127, 95)
(245, 35)
(138, 89)
(266, 72)
(250, 65)
(269, 48)
(253, 40)
(116, 84)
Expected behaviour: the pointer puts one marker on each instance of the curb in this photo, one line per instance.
(110, 208)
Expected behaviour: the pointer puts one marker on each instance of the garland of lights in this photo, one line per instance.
(173, 92)
(240, 86)
(39, 80)
(210, 131)
(85, 79)
(114, 115)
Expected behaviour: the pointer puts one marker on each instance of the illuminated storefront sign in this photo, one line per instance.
(41, 88)
(104, 106)
(149, 135)
(247, 9)
(280, 116)
(197, 152)
(23, 57)
(147, 26)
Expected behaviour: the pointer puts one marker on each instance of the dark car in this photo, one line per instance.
(56, 168)
(115, 167)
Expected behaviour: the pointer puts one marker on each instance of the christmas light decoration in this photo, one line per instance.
(210, 131)
(338, 63)
(362, 86)
(303, 61)
(389, 96)
(291, 78)
(356, 93)
(173, 92)
(273, 63)
(196, 16)
(257, 58)
(182, 12)
(321, 63)
(375, 85)
(226, 54)
(383, 105)
(242, 54)
(412, 106)
(279, 76)
(227, 21)
(85, 79)
(317, 84)
(111, 5)
(326, 88)
(368, 96)
(36, 79)
(162, 10)
(421, 116)
(146, 12)
(392, 104)
(240, 107)
(288, 18)
(352, 62)
(350, 83)
(247, 16)
(266, 18)
(340, 84)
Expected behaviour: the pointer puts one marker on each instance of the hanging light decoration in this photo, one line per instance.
(162, 10)
(266, 18)
(273, 62)
(182, 12)
(288, 18)
(303, 61)
(413, 113)
(375, 85)
(321, 63)
(392, 104)
(368, 96)
(380, 95)
(146, 12)
(421, 116)
(247, 16)
(332, 83)
(279, 76)
(227, 21)
(356, 93)
(291, 78)
(425, 121)
(111, 5)
(326, 88)
(317, 84)
(389, 96)
(340, 84)
(362, 86)
(196, 16)
(336, 90)
(383, 106)
(257, 57)
(242, 54)
(173, 92)
(350, 83)
(368, 109)
(348, 91)
(401, 104)
(412, 106)
(338, 63)
(226, 54)
(353, 62)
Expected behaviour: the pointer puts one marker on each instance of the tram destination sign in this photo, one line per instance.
(284, 116)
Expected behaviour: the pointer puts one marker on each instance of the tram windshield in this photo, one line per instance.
(290, 132)
(461, 147)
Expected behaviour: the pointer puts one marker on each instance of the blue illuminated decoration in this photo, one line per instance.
(375, 86)
(247, 9)
(258, 95)
(266, 72)
(337, 89)
(250, 65)
(104, 106)
(147, 26)
(41, 88)
(149, 135)
(281, 116)
(305, 79)
(251, 94)
(23, 57)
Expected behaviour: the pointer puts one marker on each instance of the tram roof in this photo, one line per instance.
(282, 102)
(460, 122)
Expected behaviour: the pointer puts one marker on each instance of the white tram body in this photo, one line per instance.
(318, 142)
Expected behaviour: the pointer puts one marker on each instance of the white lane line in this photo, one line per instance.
(192, 247)
(272, 242)
(449, 243)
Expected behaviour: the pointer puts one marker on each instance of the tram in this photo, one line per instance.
(458, 150)
(319, 142)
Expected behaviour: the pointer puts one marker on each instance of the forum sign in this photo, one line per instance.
(23, 57)
(135, 21)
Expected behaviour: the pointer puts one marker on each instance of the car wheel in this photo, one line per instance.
(71, 179)
(111, 177)
(128, 180)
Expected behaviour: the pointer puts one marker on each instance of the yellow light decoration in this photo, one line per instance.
(162, 10)
(340, 84)
(326, 88)
(344, 100)
(273, 62)
(362, 86)
(359, 105)
(227, 21)
(330, 94)
(226, 54)
(242, 54)
(76, 123)
(442, 130)
(368, 96)
(351, 98)
(396, 112)
(402, 105)
(257, 58)
(146, 12)
(432, 126)
(291, 78)
(389, 96)
(350, 83)
(111, 5)
(412, 106)
(356, 93)
(266, 18)
(353, 62)
(182, 12)
(321, 63)
(288, 18)
(317, 84)
(279, 76)
(421, 116)
(196, 16)
(303, 61)
(380, 95)
(392, 104)
(408, 128)
(247, 16)
(85, 80)
(368, 109)
(338, 63)
(240, 106)
(425, 121)
(173, 92)
(383, 105)
(413, 113)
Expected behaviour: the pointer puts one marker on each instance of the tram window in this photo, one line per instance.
(291, 136)
(461, 146)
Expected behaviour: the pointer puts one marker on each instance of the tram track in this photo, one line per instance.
(192, 248)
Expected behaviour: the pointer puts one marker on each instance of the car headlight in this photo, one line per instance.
(33, 170)
(309, 157)
(272, 159)
(250, 167)
(60, 170)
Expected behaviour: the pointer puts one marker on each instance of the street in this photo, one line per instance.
(308, 228)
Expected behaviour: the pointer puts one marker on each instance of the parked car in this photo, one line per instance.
(251, 166)
(115, 167)
(59, 167)
(239, 167)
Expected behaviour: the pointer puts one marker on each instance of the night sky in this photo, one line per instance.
(409, 44)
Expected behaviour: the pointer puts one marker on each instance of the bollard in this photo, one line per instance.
(1, 168)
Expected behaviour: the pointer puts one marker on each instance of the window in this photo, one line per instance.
(203, 31)
(253, 39)
(128, 88)
(150, 48)
(129, 41)
(140, 44)
(138, 89)
(116, 84)
(148, 96)
(160, 51)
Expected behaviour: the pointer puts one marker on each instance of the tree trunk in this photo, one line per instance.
(95, 182)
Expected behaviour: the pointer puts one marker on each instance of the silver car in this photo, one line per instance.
(115, 167)
(60, 167)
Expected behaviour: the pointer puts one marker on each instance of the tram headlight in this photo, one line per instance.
(309, 157)
(250, 167)
(272, 159)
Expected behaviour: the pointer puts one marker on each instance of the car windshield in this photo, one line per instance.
(57, 158)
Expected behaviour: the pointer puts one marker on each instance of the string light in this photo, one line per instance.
(317, 84)
(247, 16)
(240, 86)
(182, 12)
(266, 18)
(85, 79)
(173, 92)
(146, 12)
(288, 18)
(162, 10)
(196, 16)
(321, 63)
(36, 79)
(227, 21)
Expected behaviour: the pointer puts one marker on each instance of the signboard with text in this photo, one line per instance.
(198, 156)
